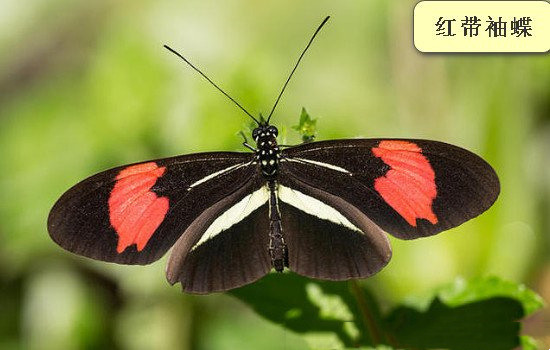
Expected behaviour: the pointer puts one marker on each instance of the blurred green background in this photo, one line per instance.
(85, 86)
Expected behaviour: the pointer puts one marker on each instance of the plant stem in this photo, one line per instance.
(369, 319)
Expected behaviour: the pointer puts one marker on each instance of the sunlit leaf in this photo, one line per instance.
(528, 343)
(345, 310)
(302, 305)
(307, 127)
(462, 291)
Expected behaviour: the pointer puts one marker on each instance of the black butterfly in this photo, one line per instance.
(320, 208)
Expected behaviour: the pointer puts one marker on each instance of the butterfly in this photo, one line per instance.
(320, 209)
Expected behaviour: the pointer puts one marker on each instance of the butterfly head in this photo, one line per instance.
(265, 133)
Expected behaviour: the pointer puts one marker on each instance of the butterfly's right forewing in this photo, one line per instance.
(135, 213)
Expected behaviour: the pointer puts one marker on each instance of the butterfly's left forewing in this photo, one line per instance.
(409, 188)
(133, 214)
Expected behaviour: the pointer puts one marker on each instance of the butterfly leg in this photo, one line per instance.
(250, 147)
(277, 246)
(246, 144)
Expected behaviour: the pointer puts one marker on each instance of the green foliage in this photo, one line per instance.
(462, 292)
(483, 314)
(528, 343)
(480, 325)
(307, 127)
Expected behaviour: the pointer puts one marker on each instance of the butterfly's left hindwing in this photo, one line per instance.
(327, 237)
(133, 214)
(410, 188)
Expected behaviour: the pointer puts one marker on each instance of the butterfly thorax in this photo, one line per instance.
(267, 150)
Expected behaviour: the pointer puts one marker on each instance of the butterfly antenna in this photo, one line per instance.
(296, 66)
(210, 81)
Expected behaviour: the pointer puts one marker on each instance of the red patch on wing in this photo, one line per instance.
(135, 211)
(409, 185)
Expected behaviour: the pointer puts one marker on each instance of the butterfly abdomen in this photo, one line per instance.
(277, 246)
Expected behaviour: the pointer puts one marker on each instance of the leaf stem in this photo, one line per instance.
(369, 319)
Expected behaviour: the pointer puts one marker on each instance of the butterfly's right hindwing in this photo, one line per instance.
(227, 246)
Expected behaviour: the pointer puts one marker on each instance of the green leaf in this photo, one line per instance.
(482, 314)
(461, 292)
(528, 343)
(487, 324)
(306, 306)
(307, 126)
(379, 347)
